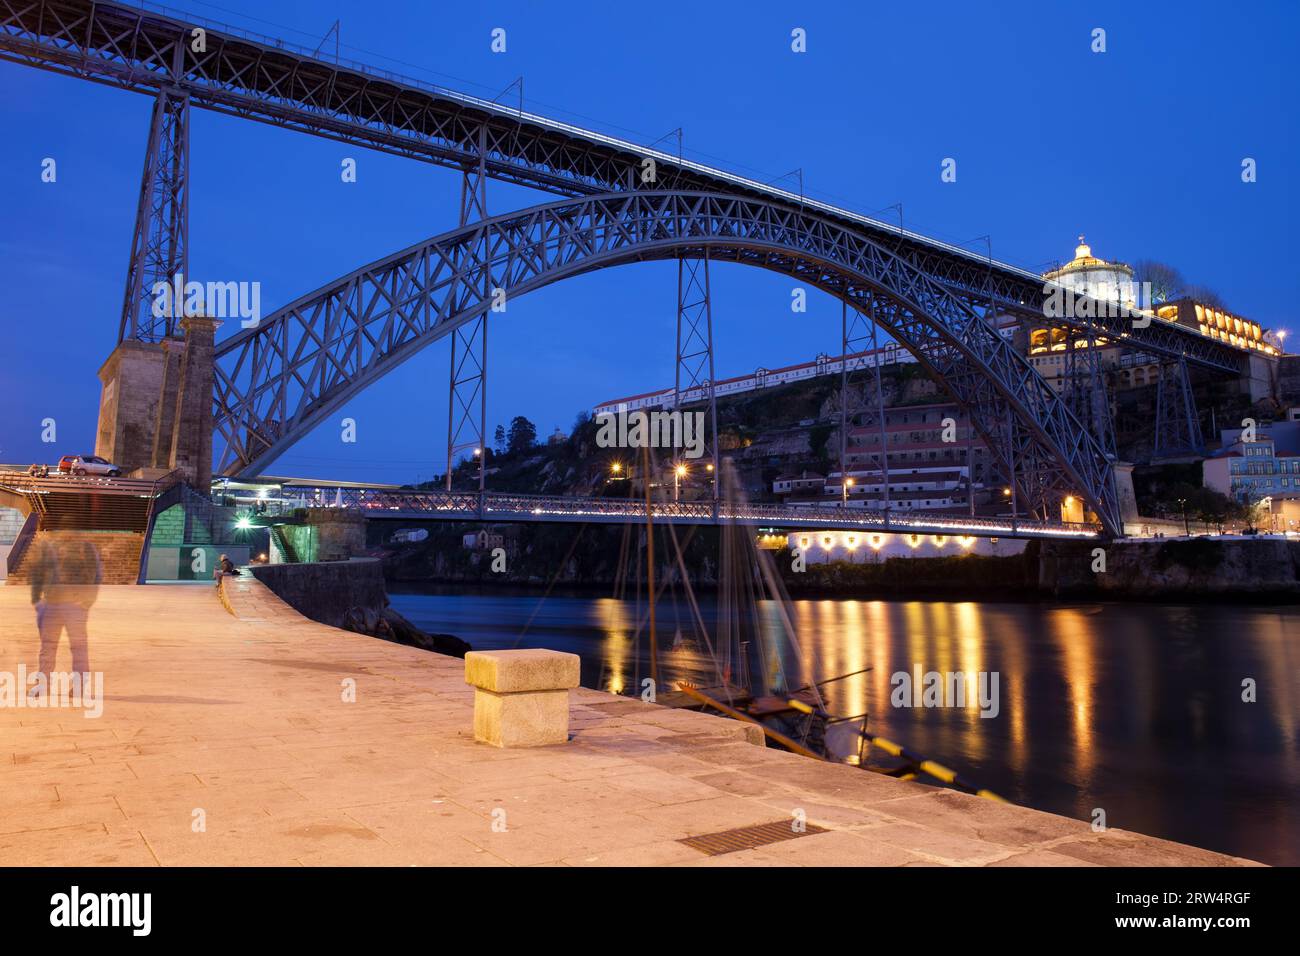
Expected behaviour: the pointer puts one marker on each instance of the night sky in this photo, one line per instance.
(1139, 148)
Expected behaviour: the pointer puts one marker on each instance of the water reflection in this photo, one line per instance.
(1133, 709)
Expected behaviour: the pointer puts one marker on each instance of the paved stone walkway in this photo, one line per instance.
(226, 738)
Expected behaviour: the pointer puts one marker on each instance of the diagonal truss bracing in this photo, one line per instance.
(160, 244)
(695, 368)
(467, 385)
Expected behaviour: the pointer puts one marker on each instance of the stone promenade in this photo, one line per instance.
(241, 733)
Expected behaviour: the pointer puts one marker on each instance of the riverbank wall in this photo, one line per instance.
(598, 558)
(1265, 568)
(326, 591)
(350, 595)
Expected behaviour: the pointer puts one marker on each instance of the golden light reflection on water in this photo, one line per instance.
(614, 619)
(1072, 634)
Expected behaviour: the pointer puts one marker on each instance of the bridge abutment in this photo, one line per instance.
(155, 408)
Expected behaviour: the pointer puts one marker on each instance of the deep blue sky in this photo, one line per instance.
(1140, 148)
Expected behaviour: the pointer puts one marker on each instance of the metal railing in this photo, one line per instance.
(22, 543)
(25, 484)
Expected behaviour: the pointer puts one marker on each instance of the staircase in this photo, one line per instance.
(118, 554)
(112, 516)
(286, 547)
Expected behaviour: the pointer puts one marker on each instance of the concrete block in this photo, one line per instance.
(521, 698)
(509, 672)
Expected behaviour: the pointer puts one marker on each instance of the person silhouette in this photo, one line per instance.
(65, 578)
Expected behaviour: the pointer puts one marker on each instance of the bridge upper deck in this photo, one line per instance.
(146, 48)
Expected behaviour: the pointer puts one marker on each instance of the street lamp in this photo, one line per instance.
(1182, 506)
(678, 474)
(845, 485)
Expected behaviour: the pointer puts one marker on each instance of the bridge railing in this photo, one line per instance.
(507, 507)
(23, 483)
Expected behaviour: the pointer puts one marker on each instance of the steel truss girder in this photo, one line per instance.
(160, 244)
(276, 381)
(269, 81)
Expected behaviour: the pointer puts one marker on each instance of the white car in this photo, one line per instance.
(88, 465)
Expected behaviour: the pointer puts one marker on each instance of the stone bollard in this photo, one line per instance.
(521, 698)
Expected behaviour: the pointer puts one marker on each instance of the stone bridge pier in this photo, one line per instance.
(155, 407)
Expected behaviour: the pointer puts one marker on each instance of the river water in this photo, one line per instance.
(1133, 709)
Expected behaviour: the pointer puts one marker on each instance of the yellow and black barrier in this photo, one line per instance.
(936, 770)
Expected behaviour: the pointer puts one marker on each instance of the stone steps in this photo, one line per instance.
(118, 554)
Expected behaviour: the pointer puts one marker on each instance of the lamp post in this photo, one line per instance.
(1182, 506)
(845, 485)
(678, 474)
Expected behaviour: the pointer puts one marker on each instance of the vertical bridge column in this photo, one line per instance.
(694, 365)
(858, 333)
(467, 387)
(160, 245)
(1178, 429)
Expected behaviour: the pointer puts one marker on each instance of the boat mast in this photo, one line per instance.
(650, 567)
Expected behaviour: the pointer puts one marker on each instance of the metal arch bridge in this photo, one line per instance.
(277, 379)
(391, 504)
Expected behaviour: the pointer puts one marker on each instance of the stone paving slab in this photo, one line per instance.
(237, 732)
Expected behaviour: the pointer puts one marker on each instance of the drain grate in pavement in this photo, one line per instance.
(747, 838)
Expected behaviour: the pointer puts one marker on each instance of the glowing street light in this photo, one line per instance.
(845, 485)
(678, 474)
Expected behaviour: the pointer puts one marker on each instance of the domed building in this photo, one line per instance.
(1085, 274)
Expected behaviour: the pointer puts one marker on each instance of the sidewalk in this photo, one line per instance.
(227, 738)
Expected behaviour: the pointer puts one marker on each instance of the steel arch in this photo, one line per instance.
(275, 382)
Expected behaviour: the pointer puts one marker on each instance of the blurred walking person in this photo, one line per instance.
(65, 578)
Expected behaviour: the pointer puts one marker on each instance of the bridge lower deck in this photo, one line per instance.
(514, 508)
(241, 722)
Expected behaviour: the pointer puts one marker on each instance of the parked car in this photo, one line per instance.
(88, 465)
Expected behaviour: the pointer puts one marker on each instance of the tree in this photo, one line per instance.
(1214, 508)
(818, 436)
(1205, 296)
(1166, 282)
(522, 435)
(499, 439)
